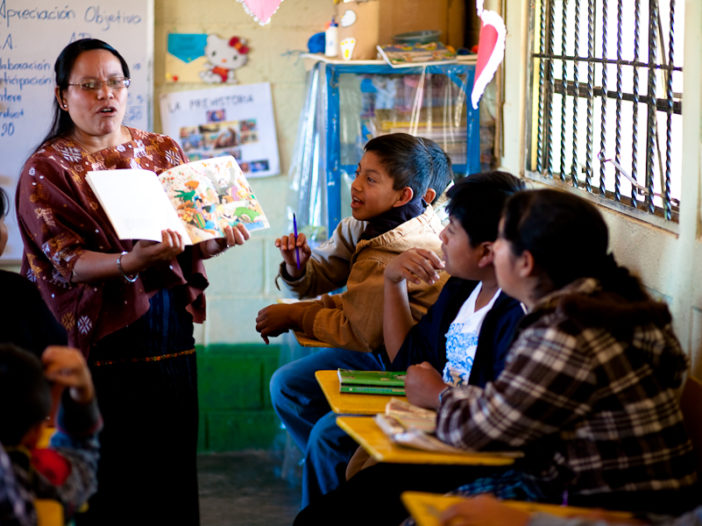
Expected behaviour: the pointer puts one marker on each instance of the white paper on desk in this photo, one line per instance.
(417, 439)
(136, 203)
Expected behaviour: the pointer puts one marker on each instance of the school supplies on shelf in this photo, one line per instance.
(411, 54)
(196, 199)
(372, 382)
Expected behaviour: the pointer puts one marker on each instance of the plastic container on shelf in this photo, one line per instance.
(331, 39)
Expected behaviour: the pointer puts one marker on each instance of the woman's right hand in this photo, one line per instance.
(147, 253)
(287, 245)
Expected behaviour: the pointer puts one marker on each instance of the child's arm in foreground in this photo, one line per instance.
(415, 265)
(278, 318)
(78, 424)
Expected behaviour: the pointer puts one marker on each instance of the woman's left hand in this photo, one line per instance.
(236, 235)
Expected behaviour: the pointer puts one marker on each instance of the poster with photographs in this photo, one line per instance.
(233, 120)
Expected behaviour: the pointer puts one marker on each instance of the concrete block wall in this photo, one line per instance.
(241, 280)
(235, 405)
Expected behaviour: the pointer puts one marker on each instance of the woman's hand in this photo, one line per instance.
(147, 253)
(94, 266)
(423, 385)
(236, 235)
(415, 265)
(287, 245)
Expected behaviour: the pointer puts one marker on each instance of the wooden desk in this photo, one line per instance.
(350, 404)
(309, 342)
(366, 432)
(426, 508)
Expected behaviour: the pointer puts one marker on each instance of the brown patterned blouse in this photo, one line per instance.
(60, 217)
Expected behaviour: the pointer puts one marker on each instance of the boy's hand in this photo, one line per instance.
(415, 265)
(66, 367)
(276, 319)
(423, 385)
(287, 245)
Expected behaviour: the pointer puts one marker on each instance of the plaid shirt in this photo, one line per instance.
(588, 392)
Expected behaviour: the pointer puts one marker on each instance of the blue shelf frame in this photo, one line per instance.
(333, 139)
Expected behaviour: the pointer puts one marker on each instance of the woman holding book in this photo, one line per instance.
(129, 306)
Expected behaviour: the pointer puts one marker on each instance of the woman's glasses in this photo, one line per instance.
(95, 84)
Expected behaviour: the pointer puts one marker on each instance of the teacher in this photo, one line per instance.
(128, 306)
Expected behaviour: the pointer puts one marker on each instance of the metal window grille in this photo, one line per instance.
(605, 100)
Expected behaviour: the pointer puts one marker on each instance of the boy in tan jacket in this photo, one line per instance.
(391, 179)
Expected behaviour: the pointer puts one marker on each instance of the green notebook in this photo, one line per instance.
(372, 382)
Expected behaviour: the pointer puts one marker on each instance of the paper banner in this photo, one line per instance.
(491, 50)
(261, 10)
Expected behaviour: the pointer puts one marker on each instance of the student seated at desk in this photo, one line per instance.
(588, 392)
(66, 472)
(466, 334)
(387, 194)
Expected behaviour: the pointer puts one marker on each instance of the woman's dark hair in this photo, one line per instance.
(25, 397)
(4, 203)
(406, 159)
(62, 124)
(568, 239)
(477, 201)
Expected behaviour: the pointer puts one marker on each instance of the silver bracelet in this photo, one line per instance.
(127, 277)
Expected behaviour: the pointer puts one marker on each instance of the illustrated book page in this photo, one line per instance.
(197, 199)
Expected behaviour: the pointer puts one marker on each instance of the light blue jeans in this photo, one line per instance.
(301, 406)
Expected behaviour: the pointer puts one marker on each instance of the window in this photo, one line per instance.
(605, 100)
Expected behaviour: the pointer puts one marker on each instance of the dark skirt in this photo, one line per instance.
(146, 382)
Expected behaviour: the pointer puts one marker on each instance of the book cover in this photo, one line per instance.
(405, 55)
(372, 389)
(372, 382)
(196, 199)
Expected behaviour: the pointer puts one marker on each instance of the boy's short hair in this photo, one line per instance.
(441, 170)
(25, 395)
(406, 158)
(477, 201)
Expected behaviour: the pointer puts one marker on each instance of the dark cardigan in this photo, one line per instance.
(426, 341)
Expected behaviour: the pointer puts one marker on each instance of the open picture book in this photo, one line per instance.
(372, 382)
(196, 199)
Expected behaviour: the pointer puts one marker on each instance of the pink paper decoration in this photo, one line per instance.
(261, 10)
(491, 50)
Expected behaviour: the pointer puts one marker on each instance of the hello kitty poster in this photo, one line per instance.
(208, 58)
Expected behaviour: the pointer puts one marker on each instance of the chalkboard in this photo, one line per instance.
(32, 34)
